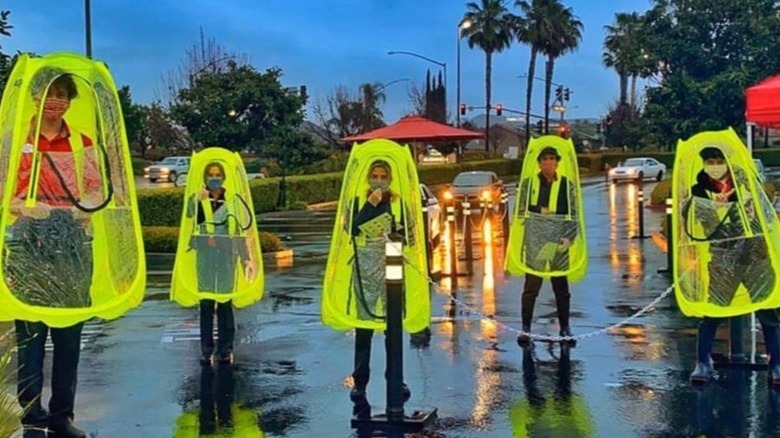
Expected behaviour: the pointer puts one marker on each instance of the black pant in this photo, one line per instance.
(533, 285)
(362, 357)
(31, 341)
(225, 327)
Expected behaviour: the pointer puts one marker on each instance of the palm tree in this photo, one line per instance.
(623, 52)
(532, 28)
(491, 31)
(371, 96)
(565, 36)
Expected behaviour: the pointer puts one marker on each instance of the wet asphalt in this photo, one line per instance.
(140, 375)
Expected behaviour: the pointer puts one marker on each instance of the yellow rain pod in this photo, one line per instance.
(353, 293)
(548, 241)
(725, 230)
(69, 228)
(218, 256)
(552, 416)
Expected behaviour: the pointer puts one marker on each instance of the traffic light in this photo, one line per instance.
(499, 109)
(566, 94)
(463, 109)
(609, 120)
(598, 128)
(559, 93)
(540, 126)
(563, 130)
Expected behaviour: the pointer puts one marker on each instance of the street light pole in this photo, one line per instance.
(461, 27)
(443, 65)
(383, 86)
(88, 26)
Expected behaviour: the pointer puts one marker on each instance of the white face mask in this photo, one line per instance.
(716, 171)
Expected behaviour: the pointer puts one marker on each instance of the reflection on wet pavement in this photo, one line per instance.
(290, 372)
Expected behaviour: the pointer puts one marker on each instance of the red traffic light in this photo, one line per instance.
(463, 109)
(499, 109)
(563, 130)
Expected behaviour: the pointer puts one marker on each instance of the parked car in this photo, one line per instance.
(475, 186)
(637, 169)
(434, 214)
(167, 169)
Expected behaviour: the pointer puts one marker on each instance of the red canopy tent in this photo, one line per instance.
(763, 103)
(416, 129)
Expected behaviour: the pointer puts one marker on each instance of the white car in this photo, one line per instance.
(167, 169)
(638, 169)
(434, 214)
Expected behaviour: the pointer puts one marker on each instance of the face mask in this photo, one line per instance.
(55, 108)
(379, 185)
(214, 183)
(716, 171)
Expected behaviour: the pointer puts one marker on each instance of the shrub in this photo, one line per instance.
(166, 240)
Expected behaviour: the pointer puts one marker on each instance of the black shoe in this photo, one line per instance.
(360, 408)
(34, 432)
(566, 332)
(773, 376)
(406, 393)
(206, 359)
(66, 429)
(523, 339)
(225, 359)
(702, 374)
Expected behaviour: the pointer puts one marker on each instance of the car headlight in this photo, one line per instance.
(485, 195)
(164, 169)
(448, 195)
(146, 169)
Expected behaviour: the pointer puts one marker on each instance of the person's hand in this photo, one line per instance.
(203, 194)
(565, 244)
(250, 271)
(724, 196)
(375, 198)
(40, 211)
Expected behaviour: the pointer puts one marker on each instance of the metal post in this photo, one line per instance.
(641, 213)
(428, 243)
(736, 335)
(505, 217)
(669, 241)
(394, 278)
(453, 245)
(468, 239)
(88, 26)
(457, 86)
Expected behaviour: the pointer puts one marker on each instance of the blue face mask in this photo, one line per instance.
(379, 185)
(214, 183)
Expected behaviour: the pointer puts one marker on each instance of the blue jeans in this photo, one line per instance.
(31, 341)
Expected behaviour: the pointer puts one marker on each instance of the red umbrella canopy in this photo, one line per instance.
(416, 128)
(763, 103)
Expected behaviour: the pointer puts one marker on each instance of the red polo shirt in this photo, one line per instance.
(50, 189)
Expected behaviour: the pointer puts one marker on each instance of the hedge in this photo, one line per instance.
(163, 207)
(166, 239)
(663, 190)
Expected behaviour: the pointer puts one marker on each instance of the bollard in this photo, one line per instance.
(736, 336)
(394, 422)
(428, 242)
(468, 239)
(669, 241)
(505, 217)
(453, 245)
(641, 213)
(394, 277)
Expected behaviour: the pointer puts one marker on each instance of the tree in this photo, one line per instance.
(418, 98)
(162, 134)
(206, 56)
(238, 109)
(491, 31)
(6, 61)
(706, 55)
(533, 28)
(344, 113)
(565, 36)
(135, 121)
